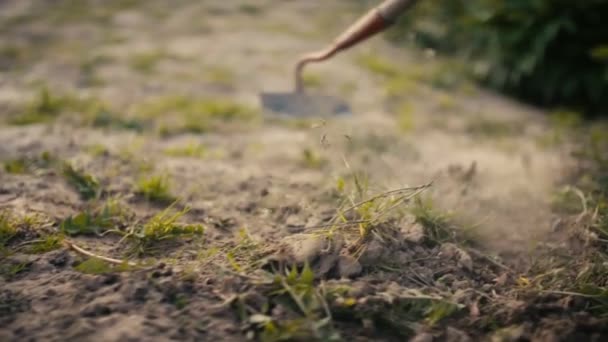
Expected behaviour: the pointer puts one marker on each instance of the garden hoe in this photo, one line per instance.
(301, 103)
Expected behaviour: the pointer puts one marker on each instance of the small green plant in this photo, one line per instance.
(94, 266)
(16, 166)
(193, 150)
(85, 224)
(86, 184)
(112, 214)
(97, 150)
(309, 318)
(27, 164)
(155, 189)
(311, 159)
(566, 119)
(446, 102)
(245, 255)
(250, 9)
(47, 107)
(400, 87)
(146, 62)
(8, 228)
(163, 226)
(42, 109)
(10, 270)
(47, 244)
(104, 118)
(378, 66)
(194, 115)
(402, 312)
(488, 128)
(437, 226)
(405, 118)
(220, 76)
(180, 300)
(359, 215)
(89, 67)
(446, 75)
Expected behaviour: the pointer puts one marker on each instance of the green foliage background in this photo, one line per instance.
(548, 52)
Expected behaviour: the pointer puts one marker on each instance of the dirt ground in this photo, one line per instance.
(131, 131)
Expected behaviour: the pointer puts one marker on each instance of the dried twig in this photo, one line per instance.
(82, 251)
(27, 243)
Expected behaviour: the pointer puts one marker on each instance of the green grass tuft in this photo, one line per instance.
(48, 243)
(94, 266)
(98, 266)
(104, 118)
(8, 228)
(85, 224)
(112, 215)
(43, 108)
(193, 150)
(220, 76)
(10, 270)
(28, 164)
(194, 115)
(405, 118)
(487, 128)
(312, 159)
(163, 226)
(309, 318)
(97, 150)
(155, 189)
(47, 107)
(146, 63)
(87, 185)
(436, 223)
(250, 9)
(16, 166)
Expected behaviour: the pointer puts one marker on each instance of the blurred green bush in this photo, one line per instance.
(548, 52)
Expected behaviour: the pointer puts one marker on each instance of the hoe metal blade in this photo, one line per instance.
(304, 104)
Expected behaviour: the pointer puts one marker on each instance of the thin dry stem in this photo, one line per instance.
(82, 251)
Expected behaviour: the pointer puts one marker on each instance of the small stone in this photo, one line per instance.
(305, 248)
(348, 266)
(325, 264)
(140, 294)
(294, 221)
(374, 252)
(448, 250)
(96, 310)
(465, 261)
(60, 259)
(451, 251)
(413, 232)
